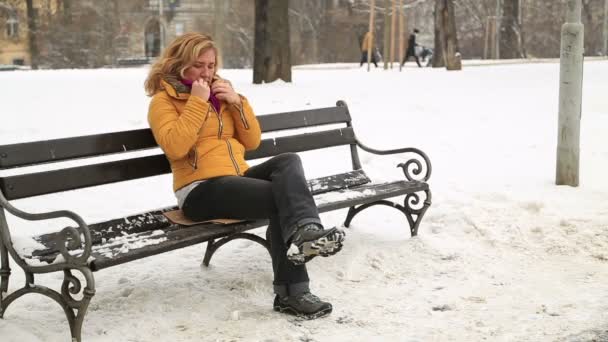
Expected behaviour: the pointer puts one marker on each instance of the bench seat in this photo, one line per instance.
(121, 240)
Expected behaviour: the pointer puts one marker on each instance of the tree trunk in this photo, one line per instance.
(32, 34)
(605, 35)
(510, 36)
(387, 33)
(393, 31)
(272, 59)
(219, 20)
(453, 59)
(438, 55)
(401, 33)
(446, 40)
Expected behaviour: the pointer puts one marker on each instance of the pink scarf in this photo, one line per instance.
(212, 98)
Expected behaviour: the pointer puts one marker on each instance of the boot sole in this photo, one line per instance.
(325, 246)
(291, 311)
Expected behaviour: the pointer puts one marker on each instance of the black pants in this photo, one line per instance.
(411, 54)
(275, 189)
(364, 58)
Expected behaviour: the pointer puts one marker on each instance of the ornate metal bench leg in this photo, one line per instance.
(352, 211)
(411, 205)
(5, 272)
(74, 309)
(209, 252)
(213, 245)
(77, 309)
(409, 209)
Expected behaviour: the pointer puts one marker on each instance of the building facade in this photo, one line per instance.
(14, 45)
(91, 33)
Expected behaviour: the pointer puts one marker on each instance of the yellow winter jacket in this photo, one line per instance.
(199, 142)
(367, 41)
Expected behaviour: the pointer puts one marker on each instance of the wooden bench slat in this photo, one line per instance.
(303, 142)
(180, 236)
(55, 150)
(154, 220)
(174, 239)
(40, 152)
(304, 118)
(41, 183)
(370, 193)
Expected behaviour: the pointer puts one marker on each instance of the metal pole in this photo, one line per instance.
(401, 24)
(371, 31)
(570, 97)
(393, 24)
(606, 28)
(497, 28)
(387, 33)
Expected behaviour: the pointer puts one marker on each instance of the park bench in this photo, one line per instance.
(89, 247)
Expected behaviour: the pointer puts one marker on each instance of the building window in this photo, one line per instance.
(18, 61)
(12, 27)
(179, 29)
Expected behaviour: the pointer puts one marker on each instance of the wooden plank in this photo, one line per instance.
(304, 118)
(113, 252)
(175, 239)
(303, 142)
(340, 181)
(369, 193)
(193, 235)
(40, 152)
(103, 232)
(41, 183)
(55, 150)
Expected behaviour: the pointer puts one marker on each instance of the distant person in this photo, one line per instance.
(204, 128)
(411, 49)
(366, 46)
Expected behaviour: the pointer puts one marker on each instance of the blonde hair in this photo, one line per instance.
(181, 54)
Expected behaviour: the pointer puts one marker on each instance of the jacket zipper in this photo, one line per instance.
(243, 119)
(219, 136)
(219, 118)
(236, 166)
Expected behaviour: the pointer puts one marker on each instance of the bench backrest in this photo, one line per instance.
(69, 178)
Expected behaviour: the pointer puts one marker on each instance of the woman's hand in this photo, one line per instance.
(223, 91)
(201, 89)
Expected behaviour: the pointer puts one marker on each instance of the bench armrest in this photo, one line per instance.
(413, 168)
(69, 239)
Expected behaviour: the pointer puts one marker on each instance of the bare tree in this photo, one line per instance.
(306, 20)
(238, 47)
(438, 55)
(220, 10)
(510, 36)
(32, 33)
(272, 58)
(446, 37)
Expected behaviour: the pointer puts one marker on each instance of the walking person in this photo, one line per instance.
(366, 46)
(204, 128)
(411, 49)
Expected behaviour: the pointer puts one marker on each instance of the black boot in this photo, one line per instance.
(305, 305)
(311, 240)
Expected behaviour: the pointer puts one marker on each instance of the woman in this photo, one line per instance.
(204, 128)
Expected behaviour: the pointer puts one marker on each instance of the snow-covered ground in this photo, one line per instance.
(502, 255)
